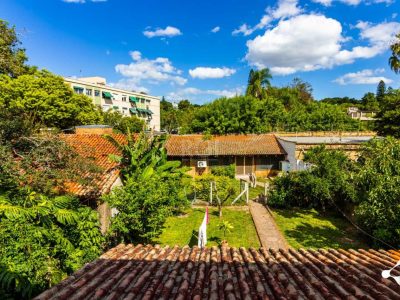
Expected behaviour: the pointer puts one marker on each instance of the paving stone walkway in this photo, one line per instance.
(268, 232)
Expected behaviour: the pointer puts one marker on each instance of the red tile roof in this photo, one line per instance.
(147, 272)
(197, 145)
(97, 148)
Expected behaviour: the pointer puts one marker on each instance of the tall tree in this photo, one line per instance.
(388, 118)
(47, 99)
(304, 89)
(369, 101)
(394, 60)
(258, 81)
(380, 91)
(12, 57)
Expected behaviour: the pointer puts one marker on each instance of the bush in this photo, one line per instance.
(43, 240)
(377, 183)
(327, 184)
(228, 171)
(227, 188)
(153, 190)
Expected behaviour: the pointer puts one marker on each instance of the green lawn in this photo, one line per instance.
(183, 230)
(254, 192)
(309, 229)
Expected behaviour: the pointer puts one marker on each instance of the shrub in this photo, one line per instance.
(227, 188)
(228, 171)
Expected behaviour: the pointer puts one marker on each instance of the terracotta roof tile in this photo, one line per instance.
(196, 145)
(97, 148)
(154, 272)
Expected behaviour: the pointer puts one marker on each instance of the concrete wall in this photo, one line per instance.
(327, 133)
(105, 212)
(195, 171)
(290, 148)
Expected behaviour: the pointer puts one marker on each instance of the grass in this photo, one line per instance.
(254, 192)
(308, 229)
(183, 230)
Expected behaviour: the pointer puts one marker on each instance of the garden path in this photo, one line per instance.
(268, 231)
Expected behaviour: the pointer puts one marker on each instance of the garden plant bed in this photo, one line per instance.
(306, 228)
(183, 230)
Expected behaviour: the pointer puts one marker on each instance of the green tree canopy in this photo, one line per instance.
(370, 102)
(229, 115)
(377, 181)
(47, 99)
(394, 60)
(380, 91)
(388, 118)
(12, 56)
(257, 82)
(304, 89)
(121, 123)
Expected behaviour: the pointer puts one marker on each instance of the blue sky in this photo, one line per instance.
(201, 50)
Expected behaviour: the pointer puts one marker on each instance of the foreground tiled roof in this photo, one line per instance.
(197, 145)
(147, 272)
(97, 148)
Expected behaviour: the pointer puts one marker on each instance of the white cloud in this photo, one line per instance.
(353, 2)
(152, 71)
(284, 9)
(206, 72)
(380, 34)
(366, 76)
(193, 93)
(169, 31)
(216, 29)
(310, 42)
(129, 84)
(82, 1)
(243, 29)
(323, 2)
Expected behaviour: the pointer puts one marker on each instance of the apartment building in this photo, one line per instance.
(127, 103)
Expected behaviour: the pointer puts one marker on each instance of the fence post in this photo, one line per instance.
(211, 192)
(246, 186)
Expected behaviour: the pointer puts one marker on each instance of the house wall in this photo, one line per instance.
(263, 165)
(105, 212)
(290, 148)
(351, 150)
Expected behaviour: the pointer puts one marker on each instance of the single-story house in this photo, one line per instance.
(154, 272)
(296, 144)
(251, 153)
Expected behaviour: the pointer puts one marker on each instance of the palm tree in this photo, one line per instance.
(394, 60)
(258, 81)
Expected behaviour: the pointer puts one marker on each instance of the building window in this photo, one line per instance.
(147, 100)
(89, 92)
(78, 90)
(97, 93)
(124, 98)
(125, 110)
(141, 100)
